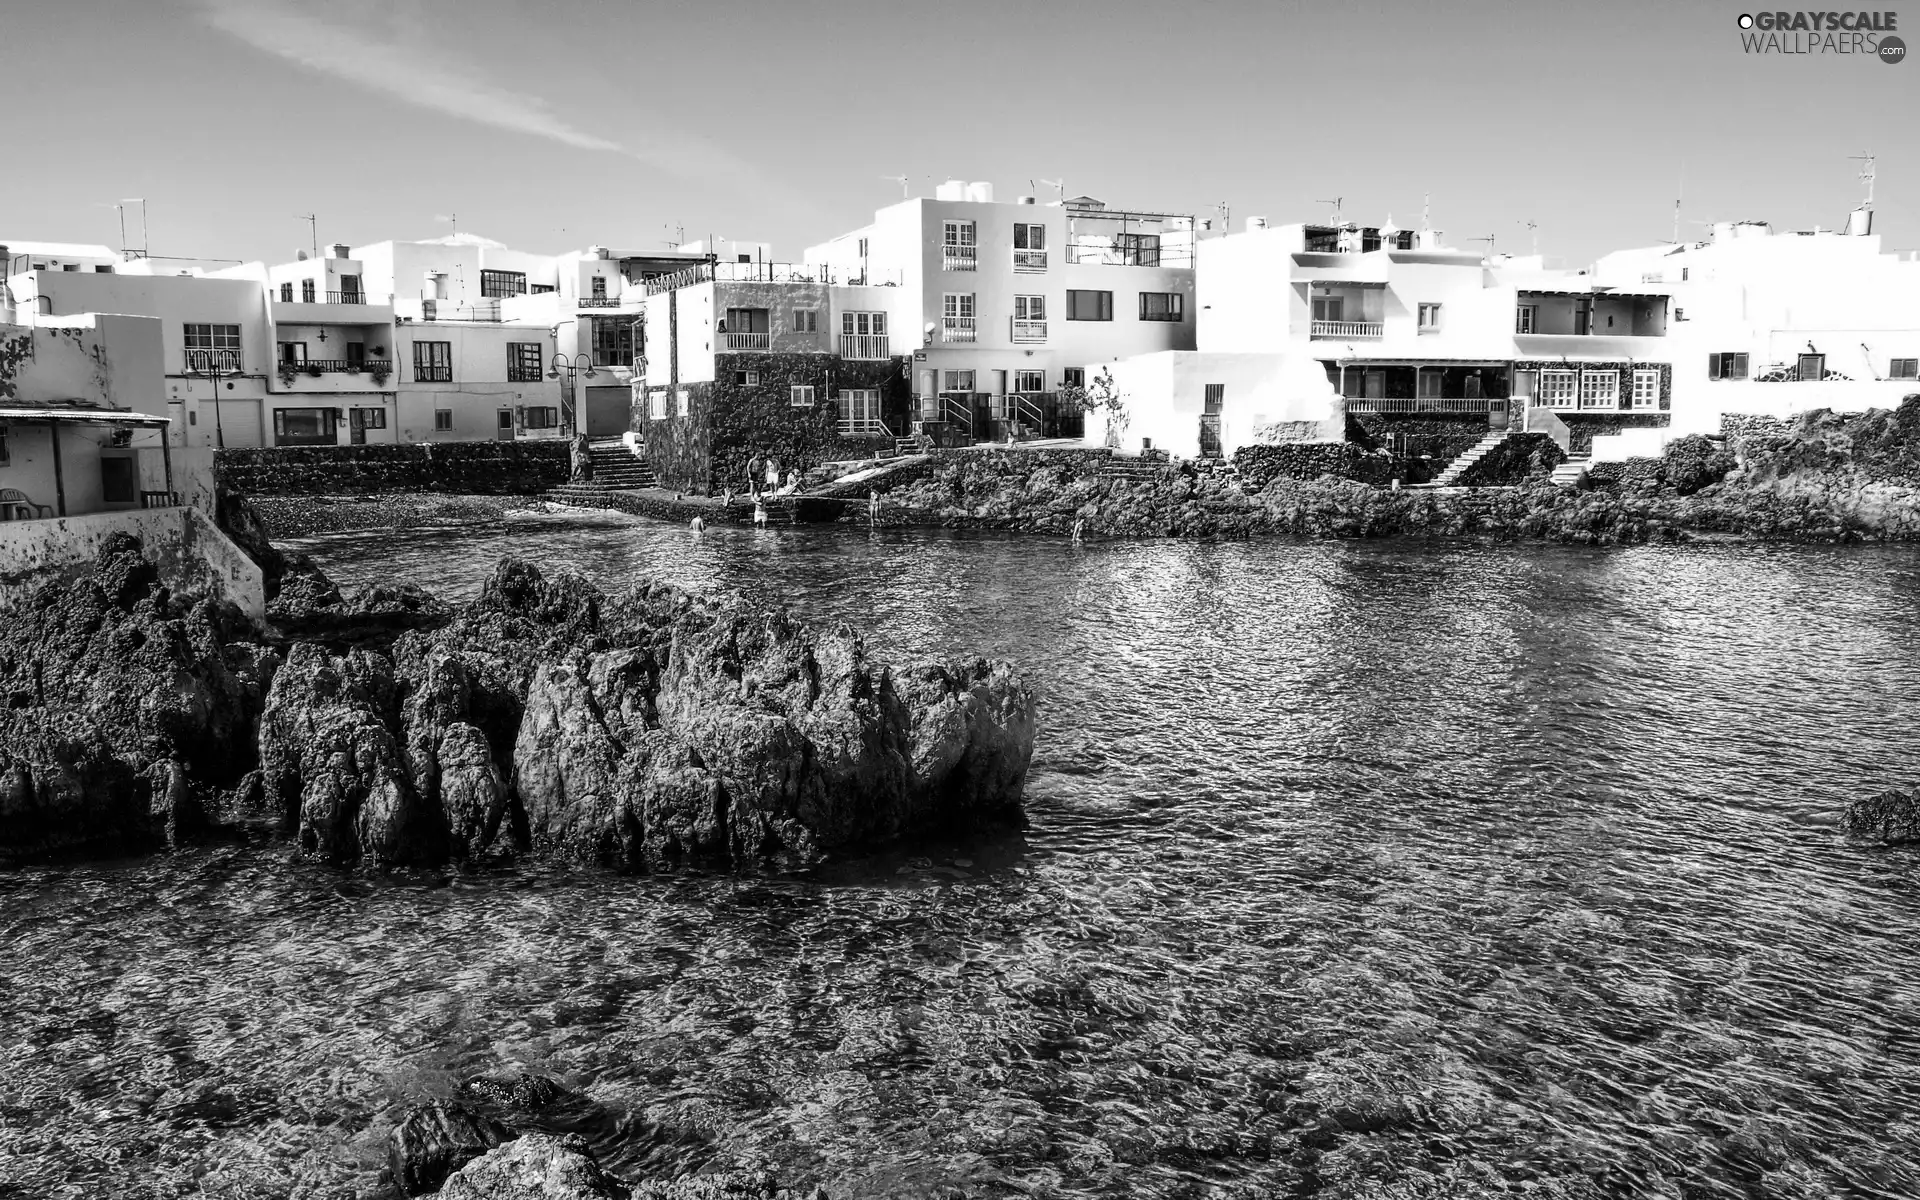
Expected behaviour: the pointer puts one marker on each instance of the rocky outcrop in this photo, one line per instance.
(1891, 818)
(308, 605)
(432, 1141)
(535, 1166)
(122, 706)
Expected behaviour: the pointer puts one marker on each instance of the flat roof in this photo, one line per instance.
(96, 416)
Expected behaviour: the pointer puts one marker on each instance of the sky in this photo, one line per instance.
(563, 124)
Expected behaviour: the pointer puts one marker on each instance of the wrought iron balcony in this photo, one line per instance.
(959, 258)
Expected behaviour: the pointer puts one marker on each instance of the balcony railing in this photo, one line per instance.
(1420, 404)
(346, 297)
(599, 302)
(959, 258)
(1029, 331)
(865, 347)
(1028, 262)
(159, 500)
(1348, 329)
(957, 329)
(770, 272)
(336, 366)
(864, 427)
(746, 341)
(214, 362)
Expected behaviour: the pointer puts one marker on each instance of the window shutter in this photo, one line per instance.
(1739, 366)
(1713, 366)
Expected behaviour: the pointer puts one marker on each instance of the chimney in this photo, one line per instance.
(1254, 223)
(342, 250)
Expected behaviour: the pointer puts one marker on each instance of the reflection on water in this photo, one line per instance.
(1354, 869)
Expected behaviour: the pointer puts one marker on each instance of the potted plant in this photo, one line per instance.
(313, 368)
(286, 374)
(378, 373)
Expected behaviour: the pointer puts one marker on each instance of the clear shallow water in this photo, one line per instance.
(1354, 869)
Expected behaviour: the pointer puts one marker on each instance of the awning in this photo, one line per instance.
(83, 416)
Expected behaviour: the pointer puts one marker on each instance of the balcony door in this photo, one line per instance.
(1329, 308)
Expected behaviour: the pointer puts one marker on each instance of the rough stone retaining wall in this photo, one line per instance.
(462, 468)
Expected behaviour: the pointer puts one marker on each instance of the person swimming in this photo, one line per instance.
(759, 513)
(699, 526)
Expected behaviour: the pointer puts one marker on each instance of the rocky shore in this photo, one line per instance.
(1826, 477)
(655, 730)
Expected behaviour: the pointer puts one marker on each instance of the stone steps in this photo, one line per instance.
(1458, 467)
(614, 466)
(1572, 471)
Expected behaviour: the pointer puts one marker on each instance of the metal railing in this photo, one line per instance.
(217, 362)
(1419, 404)
(770, 272)
(1028, 262)
(1029, 331)
(159, 500)
(865, 347)
(747, 341)
(333, 366)
(599, 302)
(441, 310)
(346, 297)
(864, 427)
(956, 408)
(959, 258)
(957, 329)
(1348, 329)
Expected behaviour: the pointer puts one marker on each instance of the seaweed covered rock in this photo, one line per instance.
(432, 1141)
(1891, 818)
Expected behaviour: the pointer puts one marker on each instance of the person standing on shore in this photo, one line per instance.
(699, 527)
(755, 465)
(873, 506)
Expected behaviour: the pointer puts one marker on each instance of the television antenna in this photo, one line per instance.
(313, 229)
(1488, 240)
(1336, 207)
(1866, 173)
(145, 246)
(1059, 185)
(452, 219)
(679, 236)
(899, 179)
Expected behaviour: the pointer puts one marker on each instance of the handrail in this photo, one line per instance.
(1347, 329)
(346, 297)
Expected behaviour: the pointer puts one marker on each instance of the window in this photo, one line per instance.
(442, 420)
(1525, 317)
(495, 284)
(657, 404)
(6, 457)
(523, 362)
(1162, 306)
(956, 311)
(1074, 377)
(433, 362)
(863, 247)
(1029, 318)
(1812, 368)
(863, 324)
(292, 354)
(1029, 247)
(541, 289)
(370, 418)
(542, 416)
(1646, 388)
(286, 292)
(116, 478)
(306, 291)
(1215, 397)
(1904, 368)
(599, 287)
(1599, 389)
(615, 342)
(1726, 366)
(806, 320)
(103, 270)
(1430, 385)
(860, 412)
(746, 378)
(1429, 318)
(958, 381)
(1089, 306)
(1138, 249)
(1684, 272)
(1329, 308)
(1558, 389)
(800, 395)
(304, 427)
(212, 347)
(1029, 381)
(957, 304)
(958, 248)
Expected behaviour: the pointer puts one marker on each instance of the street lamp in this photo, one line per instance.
(579, 364)
(213, 364)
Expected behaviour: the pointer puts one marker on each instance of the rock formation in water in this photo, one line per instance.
(432, 1141)
(1891, 818)
(541, 1166)
(648, 731)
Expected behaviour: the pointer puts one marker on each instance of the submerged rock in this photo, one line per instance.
(432, 1141)
(1892, 818)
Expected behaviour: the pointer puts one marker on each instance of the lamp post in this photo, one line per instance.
(210, 365)
(579, 364)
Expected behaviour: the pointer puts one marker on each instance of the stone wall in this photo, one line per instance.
(1521, 458)
(191, 553)
(1260, 465)
(706, 451)
(1418, 435)
(463, 468)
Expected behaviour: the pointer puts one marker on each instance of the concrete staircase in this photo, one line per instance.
(615, 469)
(1458, 467)
(1572, 471)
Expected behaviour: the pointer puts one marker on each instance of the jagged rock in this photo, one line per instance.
(1891, 817)
(449, 761)
(525, 1092)
(432, 1141)
(971, 742)
(756, 1185)
(329, 760)
(535, 1166)
(61, 786)
(307, 604)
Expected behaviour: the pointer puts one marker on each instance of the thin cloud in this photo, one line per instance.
(431, 78)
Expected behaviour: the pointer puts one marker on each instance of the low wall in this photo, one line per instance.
(191, 553)
(461, 468)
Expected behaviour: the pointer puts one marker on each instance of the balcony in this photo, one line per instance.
(864, 347)
(335, 366)
(1445, 405)
(1349, 330)
(746, 341)
(213, 362)
(1029, 262)
(598, 302)
(1029, 331)
(958, 329)
(959, 258)
(346, 297)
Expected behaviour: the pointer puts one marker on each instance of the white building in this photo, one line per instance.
(1011, 302)
(1775, 323)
